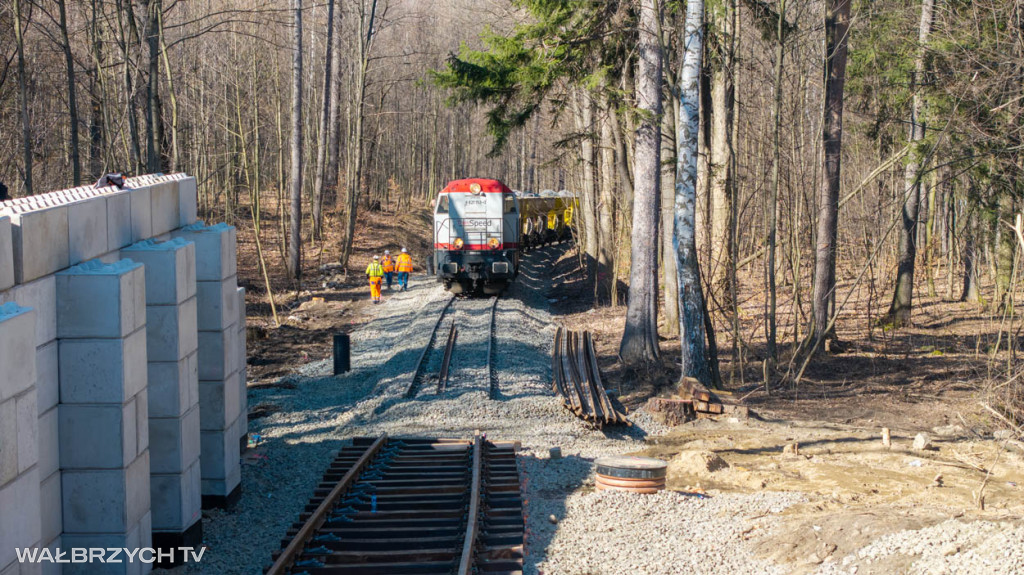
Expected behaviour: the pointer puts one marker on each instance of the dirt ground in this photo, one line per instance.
(331, 297)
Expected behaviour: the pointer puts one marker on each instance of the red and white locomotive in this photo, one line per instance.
(481, 226)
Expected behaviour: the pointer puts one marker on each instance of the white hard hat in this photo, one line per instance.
(376, 257)
(403, 250)
(387, 252)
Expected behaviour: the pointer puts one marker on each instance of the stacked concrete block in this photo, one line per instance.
(19, 436)
(40, 241)
(242, 425)
(87, 229)
(172, 338)
(188, 201)
(220, 361)
(103, 427)
(6, 254)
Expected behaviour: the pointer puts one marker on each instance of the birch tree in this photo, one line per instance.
(691, 298)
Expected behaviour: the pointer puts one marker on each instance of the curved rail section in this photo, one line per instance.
(411, 506)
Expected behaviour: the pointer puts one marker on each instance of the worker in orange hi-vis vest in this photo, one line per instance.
(389, 267)
(375, 273)
(404, 267)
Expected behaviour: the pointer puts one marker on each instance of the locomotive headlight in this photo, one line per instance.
(475, 188)
(458, 243)
(494, 243)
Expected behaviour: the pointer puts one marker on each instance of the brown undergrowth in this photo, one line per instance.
(932, 373)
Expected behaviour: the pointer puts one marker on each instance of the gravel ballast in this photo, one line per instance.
(592, 533)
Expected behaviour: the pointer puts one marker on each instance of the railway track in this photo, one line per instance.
(390, 506)
(470, 311)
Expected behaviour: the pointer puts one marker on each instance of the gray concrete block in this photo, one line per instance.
(129, 540)
(176, 500)
(41, 296)
(119, 219)
(47, 381)
(171, 331)
(6, 254)
(142, 422)
(170, 269)
(142, 209)
(40, 241)
(216, 250)
(51, 523)
(105, 500)
(188, 202)
(87, 230)
(165, 208)
(173, 386)
(174, 442)
(219, 403)
(101, 300)
(8, 441)
(97, 436)
(219, 457)
(49, 442)
(17, 351)
(218, 304)
(19, 521)
(28, 430)
(216, 354)
(103, 370)
(241, 426)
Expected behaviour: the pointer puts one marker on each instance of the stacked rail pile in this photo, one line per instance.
(578, 379)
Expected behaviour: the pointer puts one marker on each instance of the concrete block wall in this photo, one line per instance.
(19, 436)
(172, 344)
(40, 236)
(103, 424)
(221, 360)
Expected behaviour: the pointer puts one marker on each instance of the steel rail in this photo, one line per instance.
(466, 561)
(446, 361)
(492, 372)
(411, 391)
(316, 520)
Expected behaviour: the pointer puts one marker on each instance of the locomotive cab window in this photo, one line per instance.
(510, 205)
(442, 204)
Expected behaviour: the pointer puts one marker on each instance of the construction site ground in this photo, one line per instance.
(863, 507)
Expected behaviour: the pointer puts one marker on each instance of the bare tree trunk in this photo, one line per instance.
(295, 176)
(640, 337)
(773, 204)
(902, 299)
(154, 105)
(97, 115)
(585, 126)
(722, 117)
(970, 258)
(325, 113)
(837, 27)
(69, 63)
(334, 121)
(26, 124)
(606, 209)
(668, 251)
(691, 298)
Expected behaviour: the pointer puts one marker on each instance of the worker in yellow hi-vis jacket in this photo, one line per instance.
(375, 273)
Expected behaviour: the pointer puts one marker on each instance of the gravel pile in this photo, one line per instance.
(639, 534)
(950, 547)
